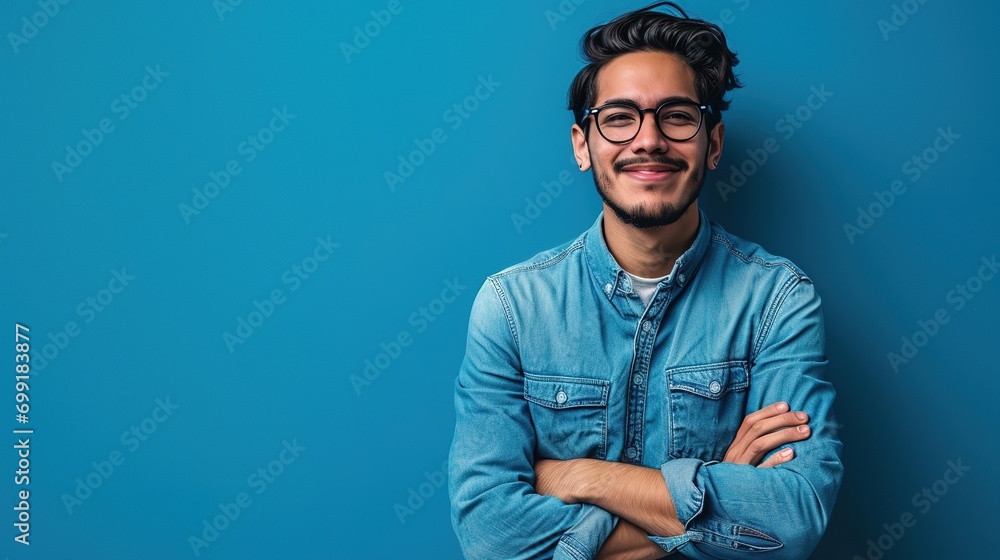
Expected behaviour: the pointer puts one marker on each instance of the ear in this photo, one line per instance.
(580, 150)
(715, 140)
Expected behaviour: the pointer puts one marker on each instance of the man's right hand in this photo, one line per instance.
(764, 431)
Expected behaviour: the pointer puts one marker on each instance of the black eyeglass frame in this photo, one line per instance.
(642, 114)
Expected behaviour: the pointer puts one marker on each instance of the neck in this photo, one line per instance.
(650, 253)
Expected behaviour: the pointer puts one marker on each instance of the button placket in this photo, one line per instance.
(636, 404)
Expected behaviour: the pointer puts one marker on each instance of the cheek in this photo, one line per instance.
(605, 157)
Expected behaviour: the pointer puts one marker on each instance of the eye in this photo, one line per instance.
(677, 117)
(617, 117)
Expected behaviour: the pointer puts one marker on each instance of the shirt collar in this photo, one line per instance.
(611, 278)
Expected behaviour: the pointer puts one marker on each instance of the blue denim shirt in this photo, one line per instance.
(565, 361)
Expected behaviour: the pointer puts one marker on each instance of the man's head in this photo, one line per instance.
(648, 109)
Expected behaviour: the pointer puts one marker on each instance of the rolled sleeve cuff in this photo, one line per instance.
(681, 476)
(587, 536)
(688, 484)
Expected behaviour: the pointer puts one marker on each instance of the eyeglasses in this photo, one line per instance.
(619, 123)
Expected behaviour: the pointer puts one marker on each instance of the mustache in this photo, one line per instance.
(663, 160)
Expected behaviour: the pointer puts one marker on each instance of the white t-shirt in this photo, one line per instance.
(645, 287)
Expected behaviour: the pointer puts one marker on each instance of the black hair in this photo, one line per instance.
(700, 44)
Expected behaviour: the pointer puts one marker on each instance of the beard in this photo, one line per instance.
(645, 216)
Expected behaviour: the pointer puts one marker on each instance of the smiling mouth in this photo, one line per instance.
(650, 172)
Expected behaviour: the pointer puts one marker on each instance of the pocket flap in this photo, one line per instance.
(710, 381)
(565, 392)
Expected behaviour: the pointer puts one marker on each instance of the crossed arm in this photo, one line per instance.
(508, 504)
(639, 496)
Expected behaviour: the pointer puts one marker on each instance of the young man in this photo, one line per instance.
(657, 384)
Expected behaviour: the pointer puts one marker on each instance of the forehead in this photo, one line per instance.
(645, 77)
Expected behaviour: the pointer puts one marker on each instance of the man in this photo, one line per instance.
(657, 384)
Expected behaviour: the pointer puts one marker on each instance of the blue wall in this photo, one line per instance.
(199, 232)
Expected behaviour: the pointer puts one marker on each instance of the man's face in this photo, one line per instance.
(651, 181)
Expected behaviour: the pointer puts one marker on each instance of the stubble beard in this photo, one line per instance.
(642, 216)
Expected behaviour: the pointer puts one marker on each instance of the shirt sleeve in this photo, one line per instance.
(740, 511)
(496, 512)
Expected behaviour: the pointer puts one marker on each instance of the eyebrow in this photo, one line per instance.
(625, 101)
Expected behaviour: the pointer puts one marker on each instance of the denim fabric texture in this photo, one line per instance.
(564, 361)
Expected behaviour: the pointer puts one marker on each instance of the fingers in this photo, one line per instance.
(749, 439)
(763, 445)
(764, 413)
(783, 456)
(776, 423)
(766, 430)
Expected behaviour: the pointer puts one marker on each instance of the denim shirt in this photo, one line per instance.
(564, 361)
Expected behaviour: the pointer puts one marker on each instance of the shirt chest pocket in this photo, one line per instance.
(707, 404)
(570, 415)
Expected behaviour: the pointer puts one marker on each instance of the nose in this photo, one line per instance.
(649, 139)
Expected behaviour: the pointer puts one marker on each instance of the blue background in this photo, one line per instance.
(369, 447)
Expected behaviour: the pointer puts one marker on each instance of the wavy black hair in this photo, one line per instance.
(700, 44)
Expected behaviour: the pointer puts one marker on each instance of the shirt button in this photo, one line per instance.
(608, 288)
(638, 380)
(680, 278)
(631, 452)
(714, 387)
(561, 397)
(646, 326)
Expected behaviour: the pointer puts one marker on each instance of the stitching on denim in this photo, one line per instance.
(553, 260)
(706, 367)
(717, 237)
(674, 437)
(567, 379)
(750, 531)
(508, 313)
(772, 313)
(736, 545)
(604, 426)
(732, 385)
(730, 542)
(797, 276)
(574, 547)
(533, 379)
(699, 499)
